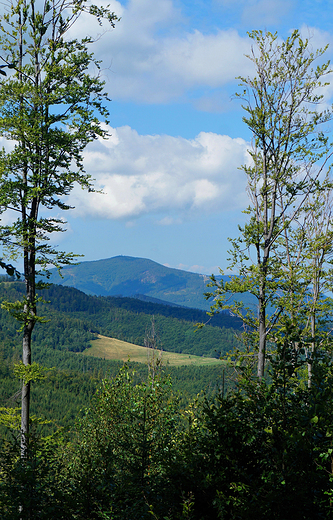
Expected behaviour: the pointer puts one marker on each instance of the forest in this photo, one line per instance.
(86, 439)
(74, 319)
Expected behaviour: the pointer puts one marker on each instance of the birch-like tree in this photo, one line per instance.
(51, 107)
(290, 155)
(308, 261)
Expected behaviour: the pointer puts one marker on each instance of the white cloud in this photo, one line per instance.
(317, 37)
(150, 58)
(199, 269)
(319, 40)
(143, 174)
(196, 269)
(8, 217)
(198, 59)
(169, 221)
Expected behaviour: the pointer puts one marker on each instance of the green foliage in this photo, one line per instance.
(124, 449)
(278, 255)
(10, 417)
(72, 316)
(51, 107)
(33, 489)
(22, 310)
(69, 387)
(48, 108)
(33, 372)
(263, 450)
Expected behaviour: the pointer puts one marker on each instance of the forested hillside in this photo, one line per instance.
(74, 318)
(73, 379)
(128, 276)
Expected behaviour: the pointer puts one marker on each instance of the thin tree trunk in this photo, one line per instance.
(262, 336)
(30, 315)
(313, 331)
(25, 404)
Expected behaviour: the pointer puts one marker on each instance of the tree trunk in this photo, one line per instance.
(262, 338)
(25, 410)
(30, 312)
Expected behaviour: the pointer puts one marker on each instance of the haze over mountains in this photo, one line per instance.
(139, 277)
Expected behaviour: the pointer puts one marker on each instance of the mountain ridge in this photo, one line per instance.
(142, 278)
(136, 277)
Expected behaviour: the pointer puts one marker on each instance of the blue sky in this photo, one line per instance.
(173, 191)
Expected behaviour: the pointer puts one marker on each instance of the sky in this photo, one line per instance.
(170, 170)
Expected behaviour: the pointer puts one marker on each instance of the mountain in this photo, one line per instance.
(136, 277)
(139, 278)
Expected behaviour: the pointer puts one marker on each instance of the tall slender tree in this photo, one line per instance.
(312, 259)
(289, 155)
(51, 107)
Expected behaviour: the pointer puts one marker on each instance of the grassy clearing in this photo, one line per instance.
(109, 348)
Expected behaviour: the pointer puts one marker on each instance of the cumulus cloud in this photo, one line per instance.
(141, 174)
(150, 58)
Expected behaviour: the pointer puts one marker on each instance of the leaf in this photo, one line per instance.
(26, 373)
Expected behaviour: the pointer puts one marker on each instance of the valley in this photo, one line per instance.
(86, 338)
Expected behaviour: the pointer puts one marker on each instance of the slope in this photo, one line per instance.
(75, 318)
(139, 277)
(110, 348)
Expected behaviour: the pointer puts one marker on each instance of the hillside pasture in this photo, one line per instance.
(110, 348)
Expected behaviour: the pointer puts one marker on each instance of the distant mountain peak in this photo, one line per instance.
(128, 276)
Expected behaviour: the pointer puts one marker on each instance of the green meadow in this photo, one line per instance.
(115, 349)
